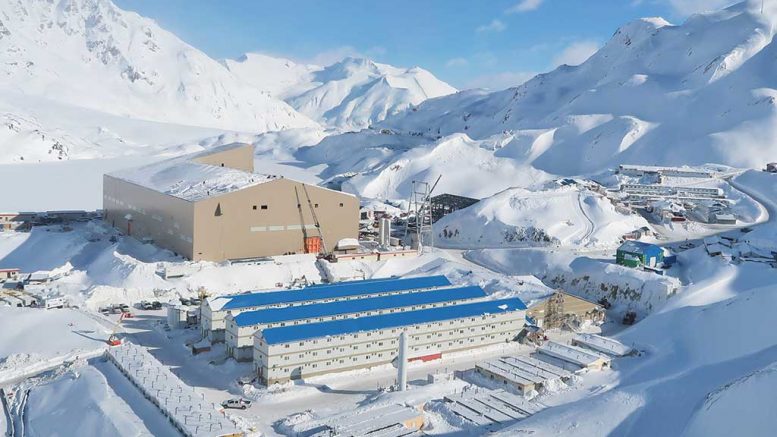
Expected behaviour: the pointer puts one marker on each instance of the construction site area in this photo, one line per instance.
(270, 306)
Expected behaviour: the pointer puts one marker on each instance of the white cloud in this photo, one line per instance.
(457, 62)
(688, 7)
(499, 81)
(494, 26)
(524, 6)
(576, 53)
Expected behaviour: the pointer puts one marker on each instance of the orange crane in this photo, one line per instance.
(113, 339)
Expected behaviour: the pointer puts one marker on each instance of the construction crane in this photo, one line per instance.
(113, 339)
(301, 217)
(315, 220)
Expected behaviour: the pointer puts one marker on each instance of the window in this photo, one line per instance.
(254, 207)
(316, 205)
(264, 206)
(341, 204)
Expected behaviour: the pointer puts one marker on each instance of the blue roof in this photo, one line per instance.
(307, 331)
(641, 248)
(329, 291)
(272, 315)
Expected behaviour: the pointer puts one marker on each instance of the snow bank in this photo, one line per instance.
(21, 366)
(742, 407)
(591, 278)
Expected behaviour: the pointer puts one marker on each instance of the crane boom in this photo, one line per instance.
(301, 216)
(113, 339)
(315, 219)
(433, 187)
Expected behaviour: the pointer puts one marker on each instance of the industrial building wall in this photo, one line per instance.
(240, 157)
(165, 219)
(271, 219)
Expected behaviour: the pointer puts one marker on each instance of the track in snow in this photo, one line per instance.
(8, 417)
(591, 226)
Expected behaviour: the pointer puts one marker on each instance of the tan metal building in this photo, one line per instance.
(212, 206)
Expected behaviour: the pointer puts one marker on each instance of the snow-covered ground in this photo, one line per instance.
(36, 334)
(103, 401)
(698, 92)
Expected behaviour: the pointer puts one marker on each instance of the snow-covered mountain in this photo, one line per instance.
(91, 54)
(572, 216)
(702, 91)
(351, 94)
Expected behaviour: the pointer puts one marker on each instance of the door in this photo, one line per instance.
(313, 245)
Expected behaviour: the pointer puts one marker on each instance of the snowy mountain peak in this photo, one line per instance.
(350, 94)
(92, 54)
(655, 93)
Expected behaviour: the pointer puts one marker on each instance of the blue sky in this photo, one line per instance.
(468, 43)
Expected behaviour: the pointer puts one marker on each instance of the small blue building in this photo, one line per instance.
(637, 253)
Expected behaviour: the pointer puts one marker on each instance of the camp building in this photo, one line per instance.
(212, 206)
(241, 328)
(305, 350)
(214, 310)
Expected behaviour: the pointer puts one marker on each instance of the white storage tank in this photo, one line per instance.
(176, 316)
(384, 232)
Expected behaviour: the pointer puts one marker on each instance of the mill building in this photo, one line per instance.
(212, 206)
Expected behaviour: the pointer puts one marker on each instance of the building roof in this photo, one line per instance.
(330, 291)
(348, 326)
(187, 179)
(607, 345)
(572, 354)
(640, 247)
(271, 315)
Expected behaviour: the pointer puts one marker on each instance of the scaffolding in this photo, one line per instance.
(554, 311)
(419, 220)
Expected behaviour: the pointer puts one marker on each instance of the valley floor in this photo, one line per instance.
(695, 354)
